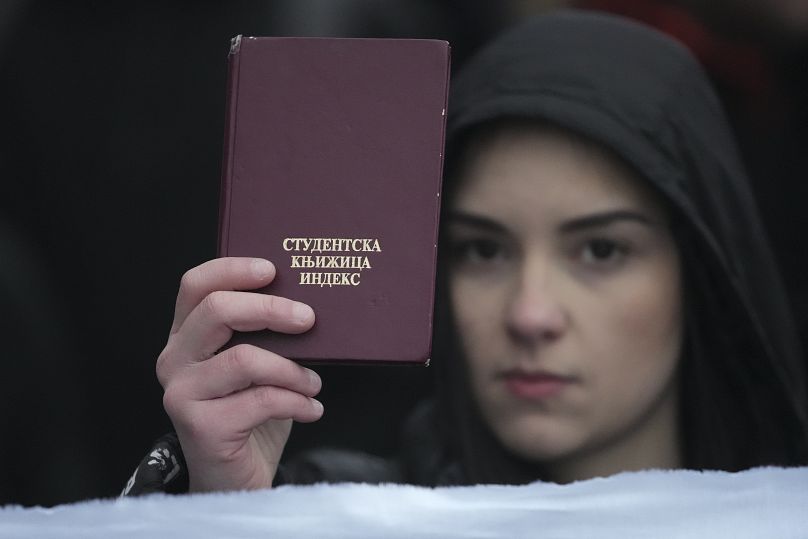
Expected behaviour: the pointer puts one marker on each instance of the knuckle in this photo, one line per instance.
(172, 403)
(269, 305)
(276, 308)
(182, 417)
(161, 367)
(266, 397)
(214, 302)
(190, 280)
(162, 375)
(237, 358)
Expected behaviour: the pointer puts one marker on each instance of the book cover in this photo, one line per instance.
(332, 170)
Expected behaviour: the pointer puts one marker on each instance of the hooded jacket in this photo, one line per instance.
(642, 95)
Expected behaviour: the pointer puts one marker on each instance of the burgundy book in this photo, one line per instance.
(332, 170)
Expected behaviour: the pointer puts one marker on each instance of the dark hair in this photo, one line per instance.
(736, 412)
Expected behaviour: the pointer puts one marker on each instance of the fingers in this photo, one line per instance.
(235, 415)
(243, 366)
(238, 412)
(251, 408)
(209, 310)
(211, 324)
(220, 274)
(240, 389)
(232, 410)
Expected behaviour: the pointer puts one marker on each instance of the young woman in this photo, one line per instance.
(607, 297)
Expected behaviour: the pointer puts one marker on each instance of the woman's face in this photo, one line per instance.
(565, 285)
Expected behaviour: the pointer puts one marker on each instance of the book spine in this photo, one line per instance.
(440, 170)
(231, 112)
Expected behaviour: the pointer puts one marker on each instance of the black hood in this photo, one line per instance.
(641, 94)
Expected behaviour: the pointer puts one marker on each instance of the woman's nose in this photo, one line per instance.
(535, 311)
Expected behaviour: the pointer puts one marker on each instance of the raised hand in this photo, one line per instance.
(233, 410)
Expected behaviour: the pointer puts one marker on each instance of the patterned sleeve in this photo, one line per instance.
(162, 470)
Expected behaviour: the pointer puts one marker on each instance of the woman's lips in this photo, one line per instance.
(535, 386)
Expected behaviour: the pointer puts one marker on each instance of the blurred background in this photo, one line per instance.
(112, 118)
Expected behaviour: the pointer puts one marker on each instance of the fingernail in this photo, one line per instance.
(302, 312)
(318, 406)
(262, 268)
(315, 380)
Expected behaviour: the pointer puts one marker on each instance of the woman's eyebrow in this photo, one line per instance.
(604, 219)
(476, 221)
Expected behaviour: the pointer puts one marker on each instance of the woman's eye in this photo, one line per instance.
(602, 251)
(478, 251)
